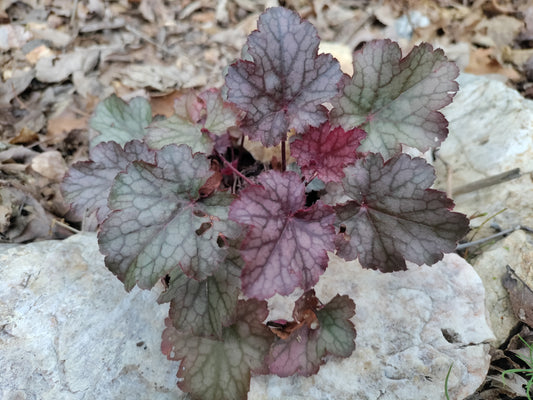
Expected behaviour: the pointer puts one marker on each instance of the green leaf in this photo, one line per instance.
(204, 308)
(221, 369)
(120, 121)
(176, 130)
(160, 222)
(394, 99)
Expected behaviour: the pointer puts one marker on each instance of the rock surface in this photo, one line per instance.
(411, 326)
(70, 331)
(490, 133)
(491, 129)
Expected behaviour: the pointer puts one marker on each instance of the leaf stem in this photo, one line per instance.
(235, 170)
(283, 156)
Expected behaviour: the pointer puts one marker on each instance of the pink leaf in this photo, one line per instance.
(286, 244)
(323, 152)
(317, 331)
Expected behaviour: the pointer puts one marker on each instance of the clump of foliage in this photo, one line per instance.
(181, 200)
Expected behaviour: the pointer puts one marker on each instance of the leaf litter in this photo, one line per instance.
(192, 39)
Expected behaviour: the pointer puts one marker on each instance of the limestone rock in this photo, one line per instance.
(490, 133)
(410, 325)
(516, 250)
(70, 331)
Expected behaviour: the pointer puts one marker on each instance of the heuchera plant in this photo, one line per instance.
(180, 200)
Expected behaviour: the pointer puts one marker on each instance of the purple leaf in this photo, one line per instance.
(221, 369)
(396, 100)
(119, 121)
(286, 244)
(392, 215)
(323, 152)
(287, 82)
(161, 222)
(204, 308)
(88, 183)
(319, 331)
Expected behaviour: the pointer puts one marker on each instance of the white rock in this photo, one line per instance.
(68, 329)
(70, 332)
(491, 132)
(491, 129)
(516, 250)
(401, 349)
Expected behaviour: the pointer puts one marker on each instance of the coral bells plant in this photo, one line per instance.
(180, 199)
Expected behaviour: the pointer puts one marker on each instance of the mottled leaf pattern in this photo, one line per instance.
(203, 308)
(119, 121)
(160, 221)
(221, 369)
(287, 82)
(176, 130)
(393, 216)
(323, 152)
(329, 332)
(286, 244)
(396, 100)
(88, 183)
(220, 115)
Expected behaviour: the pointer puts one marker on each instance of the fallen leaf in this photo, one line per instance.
(25, 136)
(59, 126)
(50, 164)
(521, 296)
(483, 62)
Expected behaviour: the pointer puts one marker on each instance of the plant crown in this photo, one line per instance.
(181, 200)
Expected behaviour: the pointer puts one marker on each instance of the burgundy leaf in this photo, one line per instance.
(287, 82)
(88, 183)
(323, 152)
(392, 215)
(286, 244)
(320, 331)
(396, 100)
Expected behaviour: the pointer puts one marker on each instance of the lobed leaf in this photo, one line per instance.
(287, 82)
(286, 244)
(392, 215)
(119, 121)
(328, 331)
(221, 369)
(323, 152)
(396, 100)
(203, 308)
(88, 183)
(160, 222)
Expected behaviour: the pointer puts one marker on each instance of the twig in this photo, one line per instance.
(235, 170)
(486, 182)
(148, 39)
(491, 237)
(62, 224)
(73, 13)
(283, 156)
